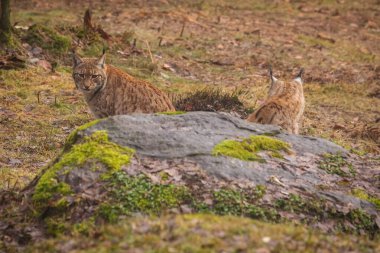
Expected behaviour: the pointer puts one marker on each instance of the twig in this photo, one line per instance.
(150, 52)
(38, 96)
(133, 44)
(160, 41)
(14, 185)
(183, 28)
(160, 28)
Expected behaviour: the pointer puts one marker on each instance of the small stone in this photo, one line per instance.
(169, 67)
(338, 127)
(27, 46)
(14, 162)
(36, 50)
(262, 250)
(33, 60)
(371, 24)
(325, 36)
(44, 64)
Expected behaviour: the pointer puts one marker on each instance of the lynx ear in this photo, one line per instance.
(76, 59)
(299, 76)
(102, 60)
(272, 78)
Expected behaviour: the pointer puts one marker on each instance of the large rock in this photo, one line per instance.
(192, 136)
(283, 177)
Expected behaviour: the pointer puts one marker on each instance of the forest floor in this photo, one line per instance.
(183, 46)
(186, 46)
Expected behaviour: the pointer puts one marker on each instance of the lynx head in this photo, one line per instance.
(89, 74)
(277, 86)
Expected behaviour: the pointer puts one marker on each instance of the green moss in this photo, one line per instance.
(355, 221)
(334, 164)
(273, 133)
(312, 41)
(204, 233)
(55, 227)
(94, 49)
(84, 227)
(239, 203)
(139, 194)
(111, 212)
(361, 194)
(94, 148)
(48, 39)
(229, 202)
(296, 204)
(11, 41)
(362, 222)
(247, 149)
(172, 113)
(74, 134)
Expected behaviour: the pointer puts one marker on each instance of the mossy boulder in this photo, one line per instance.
(199, 162)
(96, 154)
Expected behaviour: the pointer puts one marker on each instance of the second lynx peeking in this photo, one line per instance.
(284, 106)
(109, 91)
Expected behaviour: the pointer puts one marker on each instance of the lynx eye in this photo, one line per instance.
(95, 76)
(79, 75)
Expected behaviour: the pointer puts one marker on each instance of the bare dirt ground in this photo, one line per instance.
(186, 45)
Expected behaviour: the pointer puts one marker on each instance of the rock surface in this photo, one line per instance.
(196, 133)
(191, 137)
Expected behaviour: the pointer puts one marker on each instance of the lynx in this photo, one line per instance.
(284, 106)
(109, 91)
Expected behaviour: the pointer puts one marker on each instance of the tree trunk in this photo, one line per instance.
(5, 23)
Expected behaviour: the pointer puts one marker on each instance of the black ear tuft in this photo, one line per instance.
(270, 72)
(300, 73)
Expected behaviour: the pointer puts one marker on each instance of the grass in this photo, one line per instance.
(204, 233)
(340, 104)
(49, 17)
(34, 127)
(48, 39)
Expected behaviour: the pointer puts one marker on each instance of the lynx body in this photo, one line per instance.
(109, 91)
(284, 106)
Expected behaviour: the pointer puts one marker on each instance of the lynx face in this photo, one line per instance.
(89, 75)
